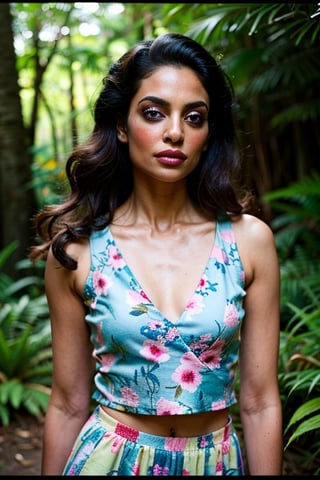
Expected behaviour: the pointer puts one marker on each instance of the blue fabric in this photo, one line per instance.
(145, 363)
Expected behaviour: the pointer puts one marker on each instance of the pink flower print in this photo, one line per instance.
(189, 360)
(220, 405)
(159, 471)
(226, 446)
(145, 296)
(166, 407)
(203, 283)
(231, 315)
(135, 298)
(188, 378)
(219, 254)
(117, 443)
(206, 337)
(108, 435)
(115, 259)
(201, 343)
(73, 470)
(106, 360)
(227, 236)
(101, 283)
(130, 397)
(195, 305)
(171, 334)
(212, 356)
(219, 468)
(176, 444)
(155, 325)
(203, 442)
(154, 351)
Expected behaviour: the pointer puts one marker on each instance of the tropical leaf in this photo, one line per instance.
(312, 424)
(304, 410)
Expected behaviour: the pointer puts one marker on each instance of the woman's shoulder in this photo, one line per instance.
(250, 228)
(80, 252)
(255, 242)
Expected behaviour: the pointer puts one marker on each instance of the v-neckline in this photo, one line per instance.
(137, 282)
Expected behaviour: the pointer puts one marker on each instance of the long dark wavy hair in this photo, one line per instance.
(99, 171)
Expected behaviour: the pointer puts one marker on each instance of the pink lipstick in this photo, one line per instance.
(171, 157)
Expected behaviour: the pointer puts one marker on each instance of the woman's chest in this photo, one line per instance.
(168, 268)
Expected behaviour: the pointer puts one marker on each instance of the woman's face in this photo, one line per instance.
(167, 126)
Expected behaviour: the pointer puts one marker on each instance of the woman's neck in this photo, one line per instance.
(160, 212)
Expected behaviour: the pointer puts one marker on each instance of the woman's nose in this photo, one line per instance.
(173, 131)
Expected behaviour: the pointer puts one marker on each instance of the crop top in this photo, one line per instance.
(144, 363)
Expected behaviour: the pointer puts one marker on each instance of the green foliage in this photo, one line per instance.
(48, 182)
(278, 59)
(297, 233)
(301, 413)
(25, 344)
(299, 379)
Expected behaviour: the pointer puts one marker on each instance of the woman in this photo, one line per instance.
(160, 284)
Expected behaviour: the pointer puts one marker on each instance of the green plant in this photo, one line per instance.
(297, 233)
(300, 380)
(25, 345)
(308, 424)
(25, 372)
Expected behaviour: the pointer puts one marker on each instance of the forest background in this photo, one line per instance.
(53, 57)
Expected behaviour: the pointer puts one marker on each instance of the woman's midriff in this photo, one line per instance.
(173, 425)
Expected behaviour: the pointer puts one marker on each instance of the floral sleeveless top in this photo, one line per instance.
(146, 364)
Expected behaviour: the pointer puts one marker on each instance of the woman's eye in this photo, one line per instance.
(152, 113)
(195, 118)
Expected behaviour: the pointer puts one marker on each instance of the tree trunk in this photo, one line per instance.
(16, 197)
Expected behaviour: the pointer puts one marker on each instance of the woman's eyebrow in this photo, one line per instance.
(164, 103)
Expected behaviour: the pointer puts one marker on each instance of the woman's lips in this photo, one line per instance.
(171, 157)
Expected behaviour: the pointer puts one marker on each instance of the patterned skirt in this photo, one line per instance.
(107, 447)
